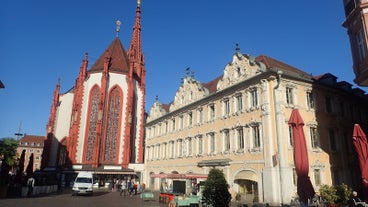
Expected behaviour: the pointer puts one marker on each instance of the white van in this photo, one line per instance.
(83, 183)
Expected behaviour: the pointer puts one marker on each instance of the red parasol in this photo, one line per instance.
(361, 147)
(304, 185)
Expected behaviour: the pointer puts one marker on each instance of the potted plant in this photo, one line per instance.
(329, 195)
(343, 192)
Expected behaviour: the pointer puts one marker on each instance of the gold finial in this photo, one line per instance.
(139, 2)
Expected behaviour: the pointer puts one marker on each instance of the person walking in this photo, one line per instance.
(123, 187)
(30, 184)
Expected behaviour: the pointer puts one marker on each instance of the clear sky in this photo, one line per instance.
(42, 41)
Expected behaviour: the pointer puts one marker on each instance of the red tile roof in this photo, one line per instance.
(32, 139)
(119, 61)
(273, 63)
(212, 85)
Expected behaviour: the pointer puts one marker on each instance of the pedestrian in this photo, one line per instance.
(30, 184)
(355, 197)
(123, 187)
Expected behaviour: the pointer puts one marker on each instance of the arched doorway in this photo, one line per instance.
(248, 186)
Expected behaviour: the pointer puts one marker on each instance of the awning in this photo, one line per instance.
(179, 176)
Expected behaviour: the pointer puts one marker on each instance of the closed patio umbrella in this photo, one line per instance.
(20, 169)
(361, 147)
(304, 185)
(29, 169)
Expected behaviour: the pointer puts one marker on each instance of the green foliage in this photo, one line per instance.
(336, 194)
(8, 146)
(328, 194)
(216, 189)
(343, 192)
(8, 151)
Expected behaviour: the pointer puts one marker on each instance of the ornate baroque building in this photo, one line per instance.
(98, 125)
(238, 122)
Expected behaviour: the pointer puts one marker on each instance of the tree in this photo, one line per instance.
(216, 189)
(8, 147)
(8, 151)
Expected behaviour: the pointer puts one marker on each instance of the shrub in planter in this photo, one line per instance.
(328, 194)
(343, 192)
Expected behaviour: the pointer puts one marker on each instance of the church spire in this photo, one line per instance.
(135, 49)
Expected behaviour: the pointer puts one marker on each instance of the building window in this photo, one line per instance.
(333, 140)
(200, 145)
(328, 105)
(159, 129)
(31, 150)
(240, 139)
(158, 152)
(317, 177)
(180, 148)
(360, 43)
(166, 126)
(94, 115)
(200, 116)
(226, 107)
(295, 177)
(173, 124)
(190, 119)
(310, 100)
(190, 147)
(289, 96)
(172, 149)
(164, 150)
(226, 140)
(181, 122)
(211, 109)
(291, 141)
(314, 137)
(256, 136)
(239, 103)
(212, 143)
(254, 98)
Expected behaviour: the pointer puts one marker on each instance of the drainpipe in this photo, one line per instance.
(278, 136)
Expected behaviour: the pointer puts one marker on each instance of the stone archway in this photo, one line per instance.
(248, 186)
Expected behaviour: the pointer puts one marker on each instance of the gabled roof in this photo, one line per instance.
(273, 63)
(32, 140)
(119, 61)
(212, 85)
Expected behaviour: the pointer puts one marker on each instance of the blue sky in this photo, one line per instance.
(42, 41)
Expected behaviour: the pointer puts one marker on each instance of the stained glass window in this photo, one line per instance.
(112, 129)
(93, 118)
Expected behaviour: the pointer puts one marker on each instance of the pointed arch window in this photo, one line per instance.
(112, 128)
(92, 125)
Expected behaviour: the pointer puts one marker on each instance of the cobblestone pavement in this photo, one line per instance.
(100, 198)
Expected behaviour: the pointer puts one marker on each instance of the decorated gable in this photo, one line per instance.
(241, 68)
(190, 90)
(157, 110)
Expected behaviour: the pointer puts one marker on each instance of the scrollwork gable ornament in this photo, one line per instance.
(242, 67)
(156, 111)
(190, 90)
